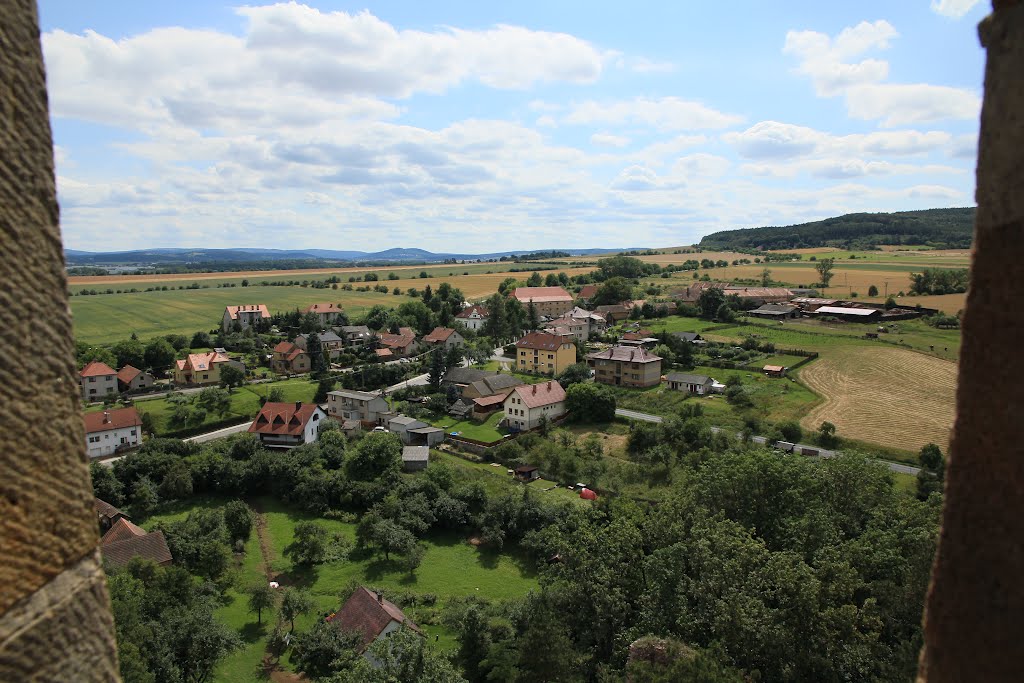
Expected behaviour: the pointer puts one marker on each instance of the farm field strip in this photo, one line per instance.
(899, 398)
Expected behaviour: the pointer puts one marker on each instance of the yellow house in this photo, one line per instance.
(545, 353)
(202, 368)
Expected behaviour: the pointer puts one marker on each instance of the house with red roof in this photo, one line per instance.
(444, 337)
(327, 313)
(287, 425)
(124, 540)
(246, 316)
(110, 431)
(626, 366)
(527, 404)
(370, 616)
(290, 359)
(547, 354)
(132, 379)
(402, 344)
(203, 368)
(472, 318)
(587, 292)
(551, 302)
(97, 380)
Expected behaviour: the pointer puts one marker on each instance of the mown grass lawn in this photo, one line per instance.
(487, 431)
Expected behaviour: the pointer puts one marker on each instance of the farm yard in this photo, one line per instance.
(897, 398)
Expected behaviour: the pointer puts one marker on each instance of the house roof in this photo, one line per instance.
(439, 334)
(152, 546)
(627, 354)
(772, 368)
(687, 336)
(758, 292)
(587, 291)
(466, 375)
(105, 509)
(541, 295)
(405, 420)
(324, 337)
(426, 430)
(105, 420)
(367, 614)
(404, 337)
(384, 353)
(323, 308)
(233, 311)
(524, 469)
(843, 310)
(537, 395)
(687, 378)
(813, 300)
(495, 383)
(97, 369)
(202, 361)
(415, 454)
(543, 341)
(283, 418)
(639, 335)
(613, 308)
(474, 310)
(121, 530)
(358, 395)
(493, 399)
(775, 308)
(289, 350)
(355, 330)
(128, 373)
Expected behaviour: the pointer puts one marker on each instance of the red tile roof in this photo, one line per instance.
(758, 292)
(105, 509)
(367, 615)
(128, 373)
(283, 418)
(384, 353)
(289, 350)
(440, 334)
(625, 354)
(475, 308)
(404, 337)
(152, 546)
(121, 530)
(587, 291)
(324, 308)
(541, 295)
(105, 420)
(537, 395)
(260, 308)
(202, 361)
(543, 341)
(96, 369)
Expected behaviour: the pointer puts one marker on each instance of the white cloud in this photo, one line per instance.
(953, 8)
(609, 140)
(642, 65)
(774, 140)
(965, 146)
(825, 60)
(664, 114)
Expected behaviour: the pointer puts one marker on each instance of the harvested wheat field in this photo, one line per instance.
(893, 397)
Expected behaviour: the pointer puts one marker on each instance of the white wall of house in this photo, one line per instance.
(520, 415)
(473, 322)
(389, 629)
(95, 388)
(100, 444)
(312, 430)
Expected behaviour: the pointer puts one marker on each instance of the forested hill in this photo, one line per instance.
(950, 228)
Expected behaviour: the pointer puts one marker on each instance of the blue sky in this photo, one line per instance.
(476, 127)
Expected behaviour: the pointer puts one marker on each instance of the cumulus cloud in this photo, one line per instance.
(826, 61)
(953, 8)
(608, 140)
(663, 114)
(774, 140)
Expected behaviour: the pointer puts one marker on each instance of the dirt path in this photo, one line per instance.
(266, 552)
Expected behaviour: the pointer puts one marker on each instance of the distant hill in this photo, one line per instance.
(297, 258)
(949, 228)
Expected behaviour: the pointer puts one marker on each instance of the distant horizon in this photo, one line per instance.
(478, 128)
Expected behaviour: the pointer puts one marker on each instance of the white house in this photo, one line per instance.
(444, 337)
(110, 431)
(344, 405)
(528, 403)
(472, 318)
(372, 617)
(97, 380)
(287, 425)
(245, 316)
(691, 384)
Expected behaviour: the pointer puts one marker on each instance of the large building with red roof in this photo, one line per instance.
(287, 425)
(130, 378)
(544, 353)
(528, 404)
(327, 313)
(245, 315)
(290, 359)
(444, 337)
(547, 301)
(97, 380)
(124, 540)
(626, 366)
(110, 431)
(473, 317)
(203, 368)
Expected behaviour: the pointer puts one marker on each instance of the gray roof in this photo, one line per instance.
(775, 308)
(323, 337)
(426, 430)
(405, 420)
(492, 385)
(687, 378)
(687, 336)
(415, 454)
(466, 375)
(349, 393)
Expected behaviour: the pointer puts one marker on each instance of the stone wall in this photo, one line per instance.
(56, 623)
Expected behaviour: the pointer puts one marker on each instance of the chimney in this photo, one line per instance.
(106, 416)
(380, 598)
(549, 385)
(298, 405)
(535, 388)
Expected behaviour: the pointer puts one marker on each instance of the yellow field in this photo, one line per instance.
(898, 398)
(947, 303)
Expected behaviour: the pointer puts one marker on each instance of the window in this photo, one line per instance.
(133, 433)
(206, 377)
(92, 379)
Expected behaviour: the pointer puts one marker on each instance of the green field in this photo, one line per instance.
(486, 431)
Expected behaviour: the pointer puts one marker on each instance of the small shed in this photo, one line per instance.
(527, 473)
(774, 370)
(426, 436)
(415, 458)
(692, 384)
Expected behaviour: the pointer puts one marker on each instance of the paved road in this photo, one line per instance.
(822, 452)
